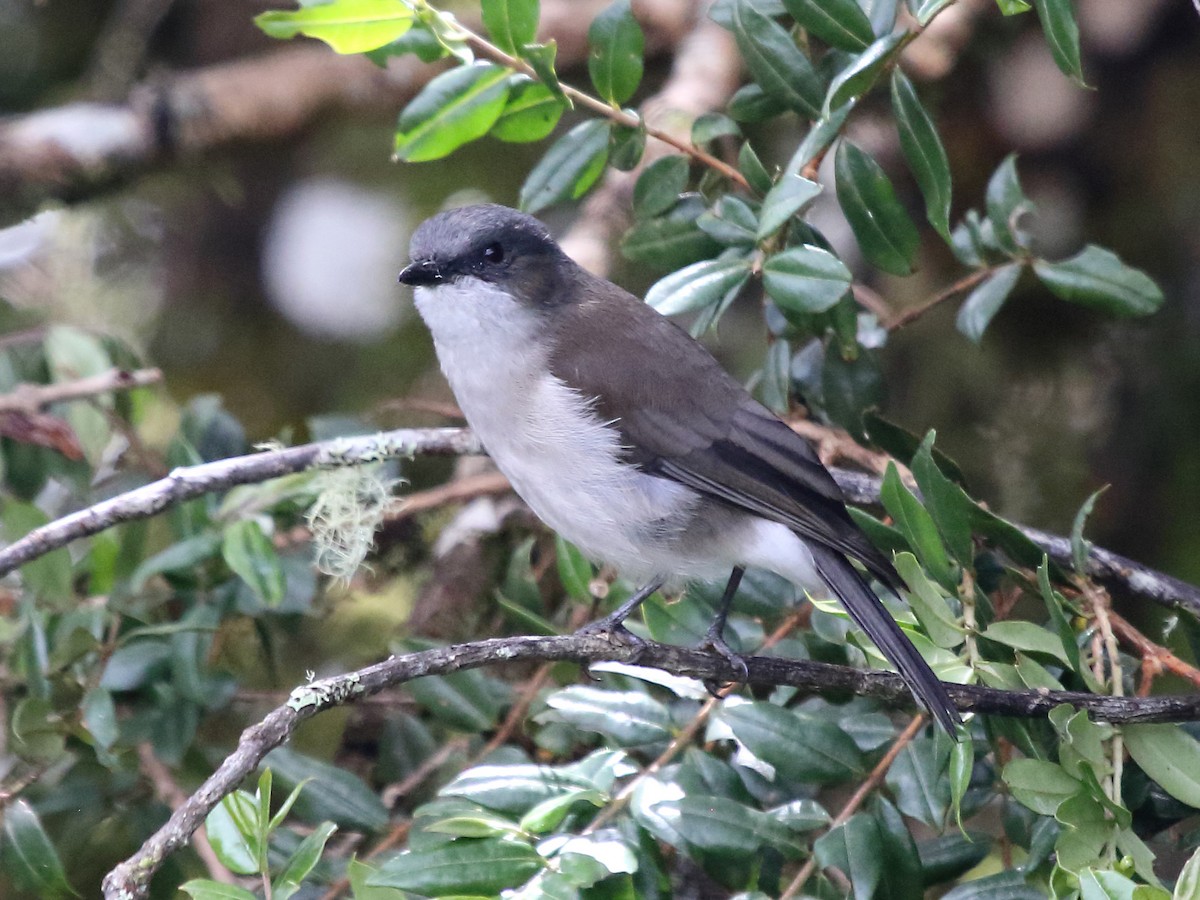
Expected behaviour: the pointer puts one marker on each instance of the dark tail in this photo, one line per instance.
(871, 616)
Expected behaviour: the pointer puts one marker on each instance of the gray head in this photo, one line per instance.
(494, 244)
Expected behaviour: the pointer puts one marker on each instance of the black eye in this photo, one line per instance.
(493, 253)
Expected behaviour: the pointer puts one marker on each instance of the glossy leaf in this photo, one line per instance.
(100, 716)
(250, 554)
(924, 151)
(1026, 637)
(839, 23)
(232, 831)
(303, 859)
(882, 228)
(1062, 34)
(698, 285)
(945, 501)
(348, 26)
(918, 780)
(206, 889)
(1081, 547)
(541, 59)
(1042, 786)
(1097, 278)
(790, 195)
(858, 77)
(750, 103)
(985, 301)
(29, 858)
(710, 126)
(659, 186)
(962, 764)
(461, 867)
(1170, 756)
(569, 168)
(530, 112)
(752, 167)
(798, 746)
(806, 279)
(673, 240)
(917, 525)
(629, 717)
(1005, 203)
(850, 386)
(615, 47)
(1014, 7)
(330, 792)
(574, 571)
(1187, 887)
(925, 10)
(948, 856)
(731, 222)
(856, 848)
(722, 826)
(929, 604)
(511, 23)
(455, 108)
(777, 64)
(626, 144)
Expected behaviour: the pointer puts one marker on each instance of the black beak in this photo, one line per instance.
(421, 273)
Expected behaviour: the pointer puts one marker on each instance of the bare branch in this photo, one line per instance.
(34, 397)
(131, 878)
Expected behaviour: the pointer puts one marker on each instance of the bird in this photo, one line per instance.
(626, 436)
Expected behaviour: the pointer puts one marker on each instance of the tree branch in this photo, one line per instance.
(34, 397)
(190, 482)
(131, 878)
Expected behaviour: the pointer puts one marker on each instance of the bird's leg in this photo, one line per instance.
(615, 621)
(714, 639)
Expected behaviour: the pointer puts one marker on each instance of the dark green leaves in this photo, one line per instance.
(985, 301)
(461, 867)
(672, 240)
(856, 79)
(1097, 278)
(28, 856)
(839, 23)
(511, 23)
(783, 72)
(789, 195)
(348, 26)
(883, 229)
(698, 285)
(1170, 756)
(455, 108)
(569, 168)
(806, 279)
(799, 747)
(659, 186)
(1062, 34)
(250, 554)
(616, 44)
(924, 151)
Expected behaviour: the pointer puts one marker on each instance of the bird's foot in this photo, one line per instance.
(714, 642)
(613, 626)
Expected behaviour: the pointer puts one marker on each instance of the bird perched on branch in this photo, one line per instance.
(626, 437)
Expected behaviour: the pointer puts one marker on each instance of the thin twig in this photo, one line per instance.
(459, 491)
(906, 316)
(858, 798)
(35, 397)
(1158, 656)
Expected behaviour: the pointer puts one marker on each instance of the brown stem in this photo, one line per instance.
(906, 316)
(36, 397)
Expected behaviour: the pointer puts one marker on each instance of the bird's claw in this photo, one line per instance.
(613, 627)
(714, 642)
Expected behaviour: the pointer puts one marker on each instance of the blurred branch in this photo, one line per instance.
(131, 878)
(35, 397)
(80, 150)
(188, 482)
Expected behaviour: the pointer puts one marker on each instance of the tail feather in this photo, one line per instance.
(873, 618)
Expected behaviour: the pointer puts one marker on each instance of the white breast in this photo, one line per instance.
(558, 454)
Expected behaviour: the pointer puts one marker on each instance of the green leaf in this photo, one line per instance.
(659, 186)
(1188, 885)
(1170, 756)
(574, 571)
(232, 831)
(615, 47)
(929, 604)
(515, 789)
(530, 113)
(330, 793)
(985, 301)
(1055, 606)
(750, 103)
(348, 26)
(731, 222)
(462, 867)
(1014, 7)
(858, 77)
(723, 826)
(303, 859)
(882, 228)
(801, 815)
(100, 716)
(548, 814)
(774, 60)
(511, 23)
(630, 718)
(948, 856)
(569, 168)
(799, 746)
(710, 126)
(918, 783)
(917, 526)
(925, 10)
(455, 108)
(850, 386)
(855, 848)
(29, 859)
(1097, 278)
(1081, 547)
(673, 240)
(924, 151)
(698, 285)
(752, 167)
(1041, 786)
(806, 279)
(1062, 34)
(250, 554)
(49, 577)
(626, 144)
(1027, 637)
(481, 825)
(1103, 885)
(1005, 203)
(541, 59)
(789, 196)
(462, 700)
(839, 23)
(945, 501)
(962, 764)
(204, 889)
